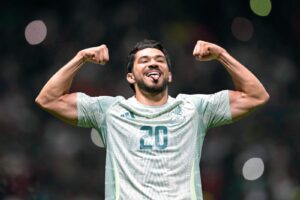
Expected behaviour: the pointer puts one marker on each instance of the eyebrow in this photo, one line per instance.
(155, 57)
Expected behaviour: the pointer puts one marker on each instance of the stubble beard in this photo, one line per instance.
(152, 89)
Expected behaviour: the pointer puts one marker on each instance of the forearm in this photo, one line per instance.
(60, 83)
(249, 93)
(55, 97)
(244, 81)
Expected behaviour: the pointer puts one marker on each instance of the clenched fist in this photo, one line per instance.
(98, 55)
(205, 51)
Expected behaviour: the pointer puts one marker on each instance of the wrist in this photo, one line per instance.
(221, 54)
(81, 56)
(79, 59)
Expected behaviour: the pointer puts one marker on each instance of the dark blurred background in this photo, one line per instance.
(42, 158)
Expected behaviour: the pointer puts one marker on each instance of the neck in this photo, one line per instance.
(151, 99)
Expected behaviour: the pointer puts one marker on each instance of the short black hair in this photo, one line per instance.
(143, 45)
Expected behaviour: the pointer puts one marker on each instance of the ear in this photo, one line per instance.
(130, 78)
(170, 77)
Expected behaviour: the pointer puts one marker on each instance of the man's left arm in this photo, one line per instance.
(249, 93)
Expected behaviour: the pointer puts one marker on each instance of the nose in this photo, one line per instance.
(153, 66)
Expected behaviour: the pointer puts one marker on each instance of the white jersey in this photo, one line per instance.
(153, 152)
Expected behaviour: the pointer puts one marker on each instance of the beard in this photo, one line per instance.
(153, 89)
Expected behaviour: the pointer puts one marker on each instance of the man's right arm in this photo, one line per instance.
(55, 97)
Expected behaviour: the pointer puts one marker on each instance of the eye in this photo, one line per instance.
(161, 60)
(143, 60)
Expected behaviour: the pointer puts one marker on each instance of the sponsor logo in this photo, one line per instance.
(128, 115)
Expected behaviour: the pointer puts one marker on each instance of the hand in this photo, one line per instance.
(205, 51)
(98, 55)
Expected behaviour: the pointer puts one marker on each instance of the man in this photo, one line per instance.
(153, 141)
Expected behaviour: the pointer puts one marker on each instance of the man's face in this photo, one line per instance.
(150, 71)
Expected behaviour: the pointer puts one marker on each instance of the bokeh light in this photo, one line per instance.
(261, 7)
(242, 29)
(253, 169)
(35, 32)
(96, 138)
(257, 194)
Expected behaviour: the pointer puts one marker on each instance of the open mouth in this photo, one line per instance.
(154, 75)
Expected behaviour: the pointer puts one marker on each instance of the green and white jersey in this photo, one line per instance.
(153, 152)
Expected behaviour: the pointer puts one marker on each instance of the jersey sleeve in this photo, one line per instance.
(214, 108)
(91, 110)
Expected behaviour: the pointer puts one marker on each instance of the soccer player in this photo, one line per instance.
(153, 141)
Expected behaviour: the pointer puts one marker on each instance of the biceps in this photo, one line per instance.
(241, 105)
(65, 108)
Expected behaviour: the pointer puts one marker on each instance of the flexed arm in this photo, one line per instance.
(249, 93)
(55, 97)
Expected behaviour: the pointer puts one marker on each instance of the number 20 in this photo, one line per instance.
(157, 131)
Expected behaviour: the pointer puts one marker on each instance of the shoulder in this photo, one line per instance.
(81, 95)
(98, 101)
(202, 101)
(203, 97)
(192, 98)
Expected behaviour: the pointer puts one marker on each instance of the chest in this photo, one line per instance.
(166, 132)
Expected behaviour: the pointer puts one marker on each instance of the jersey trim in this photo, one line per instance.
(192, 182)
(117, 180)
(125, 105)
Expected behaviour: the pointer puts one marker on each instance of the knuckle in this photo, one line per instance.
(103, 46)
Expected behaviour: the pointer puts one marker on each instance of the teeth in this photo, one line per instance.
(153, 74)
